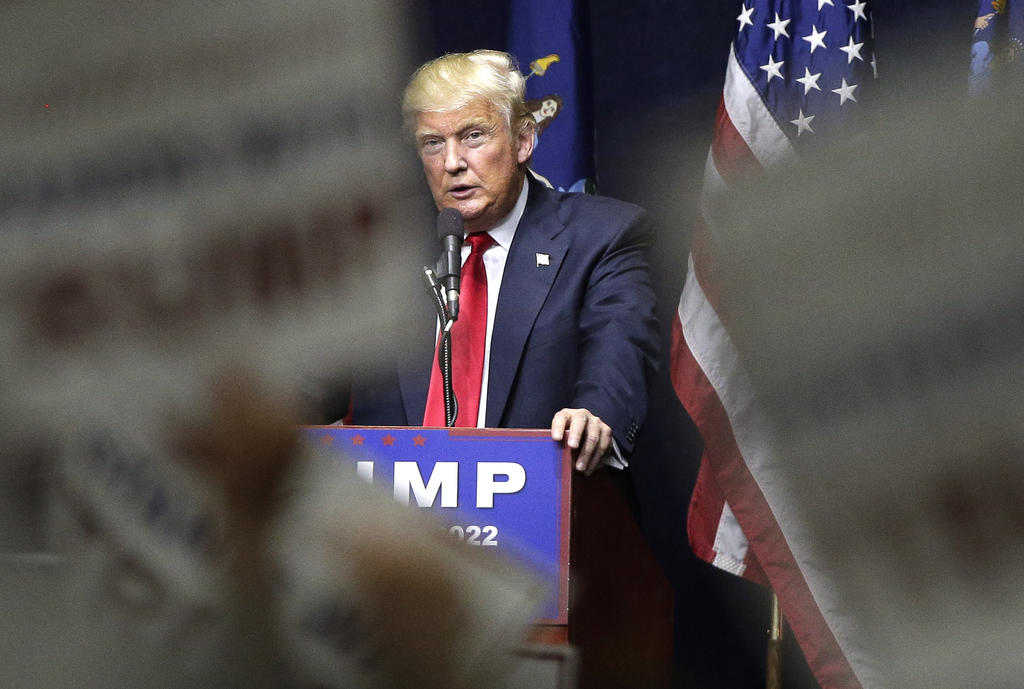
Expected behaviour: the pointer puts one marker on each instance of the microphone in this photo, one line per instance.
(450, 228)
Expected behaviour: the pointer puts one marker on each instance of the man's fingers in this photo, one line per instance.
(573, 420)
(591, 436)
(586, 435)
(558, 424)
(578, 427)
(604, 441)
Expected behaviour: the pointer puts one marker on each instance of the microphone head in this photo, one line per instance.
(449, 222)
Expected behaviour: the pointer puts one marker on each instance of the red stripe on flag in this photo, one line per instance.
(729, 150)
(703, 514)
(702, 403)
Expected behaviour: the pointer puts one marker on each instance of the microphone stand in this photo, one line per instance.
(444, 350)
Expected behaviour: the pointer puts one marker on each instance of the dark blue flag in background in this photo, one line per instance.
(550, 38)
(997, 47)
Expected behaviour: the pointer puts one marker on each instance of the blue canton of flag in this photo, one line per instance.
(550, 39)
(811, 62)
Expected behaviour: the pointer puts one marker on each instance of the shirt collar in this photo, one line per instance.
(504, 231)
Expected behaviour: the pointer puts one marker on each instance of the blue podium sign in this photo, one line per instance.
(499, 488)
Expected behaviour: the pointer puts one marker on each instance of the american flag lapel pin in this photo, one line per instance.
(543, 260)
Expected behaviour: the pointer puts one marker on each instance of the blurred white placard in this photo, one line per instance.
(190, 189)
(879, 307)
(190, 184)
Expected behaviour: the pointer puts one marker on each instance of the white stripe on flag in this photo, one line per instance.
(730, 544)
(751, 118)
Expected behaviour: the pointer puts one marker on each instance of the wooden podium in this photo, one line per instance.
(620, 610)
(609, 623)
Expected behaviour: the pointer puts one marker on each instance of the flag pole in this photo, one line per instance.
(773, 677)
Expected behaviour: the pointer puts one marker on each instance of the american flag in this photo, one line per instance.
(798, 77)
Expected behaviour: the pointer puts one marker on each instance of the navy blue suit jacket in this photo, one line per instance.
(578, 331)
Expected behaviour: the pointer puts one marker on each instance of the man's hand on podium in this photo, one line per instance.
(587, 436)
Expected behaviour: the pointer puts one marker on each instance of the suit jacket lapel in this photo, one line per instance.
(525, 285)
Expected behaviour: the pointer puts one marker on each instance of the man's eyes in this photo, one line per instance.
(475, 137)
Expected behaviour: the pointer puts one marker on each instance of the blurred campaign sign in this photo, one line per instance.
(375, 594)
(187, 184)
(365, 592)
(192, 190)
(494, 488)
(881, 318)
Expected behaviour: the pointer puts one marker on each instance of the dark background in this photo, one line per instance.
(658, 69)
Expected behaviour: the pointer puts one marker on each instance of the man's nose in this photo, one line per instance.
(454, 161)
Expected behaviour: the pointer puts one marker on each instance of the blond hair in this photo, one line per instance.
(453, 81)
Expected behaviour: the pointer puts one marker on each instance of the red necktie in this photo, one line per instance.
(469, 336)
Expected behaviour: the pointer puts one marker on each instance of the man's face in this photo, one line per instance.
(473, 162)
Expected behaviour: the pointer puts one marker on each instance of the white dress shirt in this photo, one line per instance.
(494, 263)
